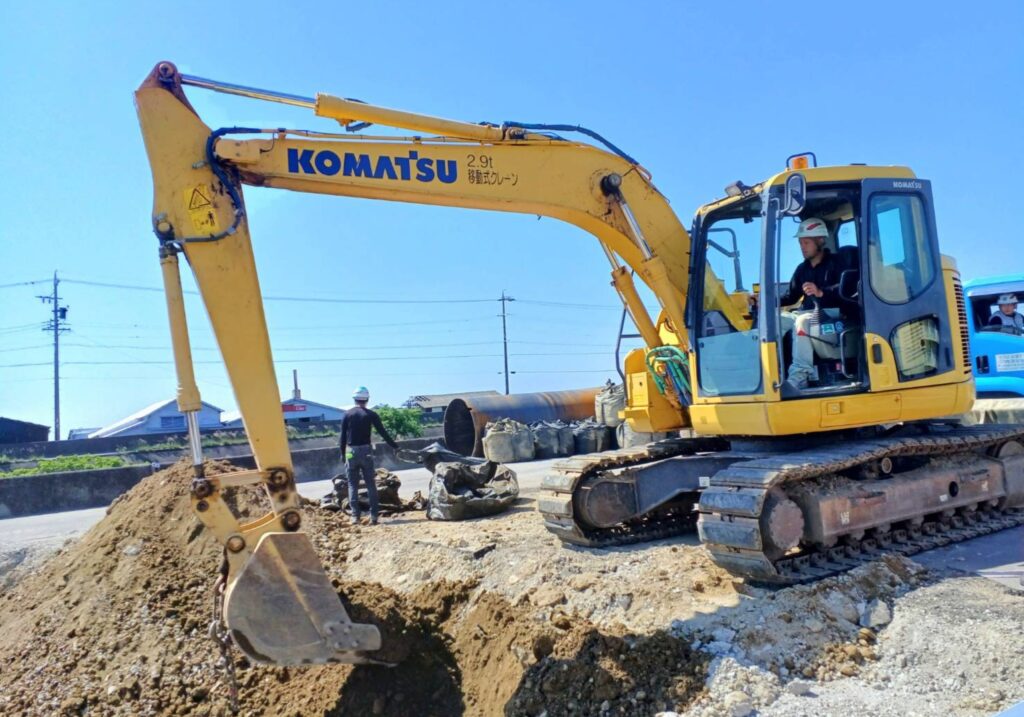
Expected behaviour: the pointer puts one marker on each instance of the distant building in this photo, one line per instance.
(295, 410)
(77, 433)
(161, 417)
(433, 405)
(14, 431)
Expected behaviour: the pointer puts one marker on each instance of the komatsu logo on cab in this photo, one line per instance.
(350, 164)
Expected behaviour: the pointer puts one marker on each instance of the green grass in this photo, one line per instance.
(87, 461)
(218, 438)
(63, 464)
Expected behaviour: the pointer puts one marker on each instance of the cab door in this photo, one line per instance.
(907, 330)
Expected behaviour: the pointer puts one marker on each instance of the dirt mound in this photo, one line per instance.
(486, 617)
(593, 673)
(116, 624)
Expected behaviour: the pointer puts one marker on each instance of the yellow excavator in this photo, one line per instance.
(785, 481)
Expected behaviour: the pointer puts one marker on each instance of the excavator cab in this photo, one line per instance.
(890, 320)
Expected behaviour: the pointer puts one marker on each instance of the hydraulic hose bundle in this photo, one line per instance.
(668, 364)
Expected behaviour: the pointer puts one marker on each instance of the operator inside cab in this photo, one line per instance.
(1007, 317)
(814, 286)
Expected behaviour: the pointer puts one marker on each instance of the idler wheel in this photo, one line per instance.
(782, 525)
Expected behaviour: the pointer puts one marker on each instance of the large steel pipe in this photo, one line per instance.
(465, 418)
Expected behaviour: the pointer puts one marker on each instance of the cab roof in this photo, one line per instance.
(1005, 284)
(816, 175)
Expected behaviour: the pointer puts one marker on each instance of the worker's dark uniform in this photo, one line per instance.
(798, 323)
(825, 276)
(355, 434)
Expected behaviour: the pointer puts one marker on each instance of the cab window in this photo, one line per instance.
(900, 258)
(728, 341)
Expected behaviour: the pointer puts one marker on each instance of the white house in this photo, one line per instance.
(161, 417)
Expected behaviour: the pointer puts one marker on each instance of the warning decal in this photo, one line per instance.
(201, 210)
(198, 199)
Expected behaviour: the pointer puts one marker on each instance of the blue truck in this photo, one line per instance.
(997, 353)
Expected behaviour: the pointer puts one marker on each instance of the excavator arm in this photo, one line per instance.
(278, 603)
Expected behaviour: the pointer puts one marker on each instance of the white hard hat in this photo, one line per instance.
(361, 394)
(1007, 299)
(812, 227)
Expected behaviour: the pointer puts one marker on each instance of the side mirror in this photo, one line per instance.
(849, 284)
(795, 195)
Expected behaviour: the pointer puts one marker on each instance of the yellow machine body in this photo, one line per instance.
(199, 213)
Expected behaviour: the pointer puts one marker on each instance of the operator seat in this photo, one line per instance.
(850, 311)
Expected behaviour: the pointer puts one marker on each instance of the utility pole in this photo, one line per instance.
(57, 326)
(504, 333)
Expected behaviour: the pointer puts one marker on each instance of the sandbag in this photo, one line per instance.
(459, 491)
(387, 495)
(628, 438)
(592, 437)
(508, 441)
(608, 403)
(566, 441)
(552, 439)
(498, 446)
(995, 410)
(436, 453)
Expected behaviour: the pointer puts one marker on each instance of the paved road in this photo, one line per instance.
(999, 557)
(46, 530)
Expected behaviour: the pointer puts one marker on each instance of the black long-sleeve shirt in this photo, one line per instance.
(356, 425)
(825, 276)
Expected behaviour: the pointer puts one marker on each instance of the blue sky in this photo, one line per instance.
(701, 93)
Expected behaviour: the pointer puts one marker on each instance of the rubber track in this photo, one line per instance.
(557, 488)
(770, 471)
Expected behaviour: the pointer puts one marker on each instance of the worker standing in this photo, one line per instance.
(357, 454)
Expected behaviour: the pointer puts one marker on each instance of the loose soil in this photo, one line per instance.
(486, 617)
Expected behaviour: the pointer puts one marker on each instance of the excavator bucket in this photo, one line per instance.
(282, 609)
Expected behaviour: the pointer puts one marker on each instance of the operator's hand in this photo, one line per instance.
(811, 289)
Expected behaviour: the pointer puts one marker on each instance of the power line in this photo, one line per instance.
(341, 300)
(568, 304)
(571, 370)
(290, 348)
(304, 299)
(278, 349)
(28, 348)
(324, 359)
(23, 283)
(20, 327)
